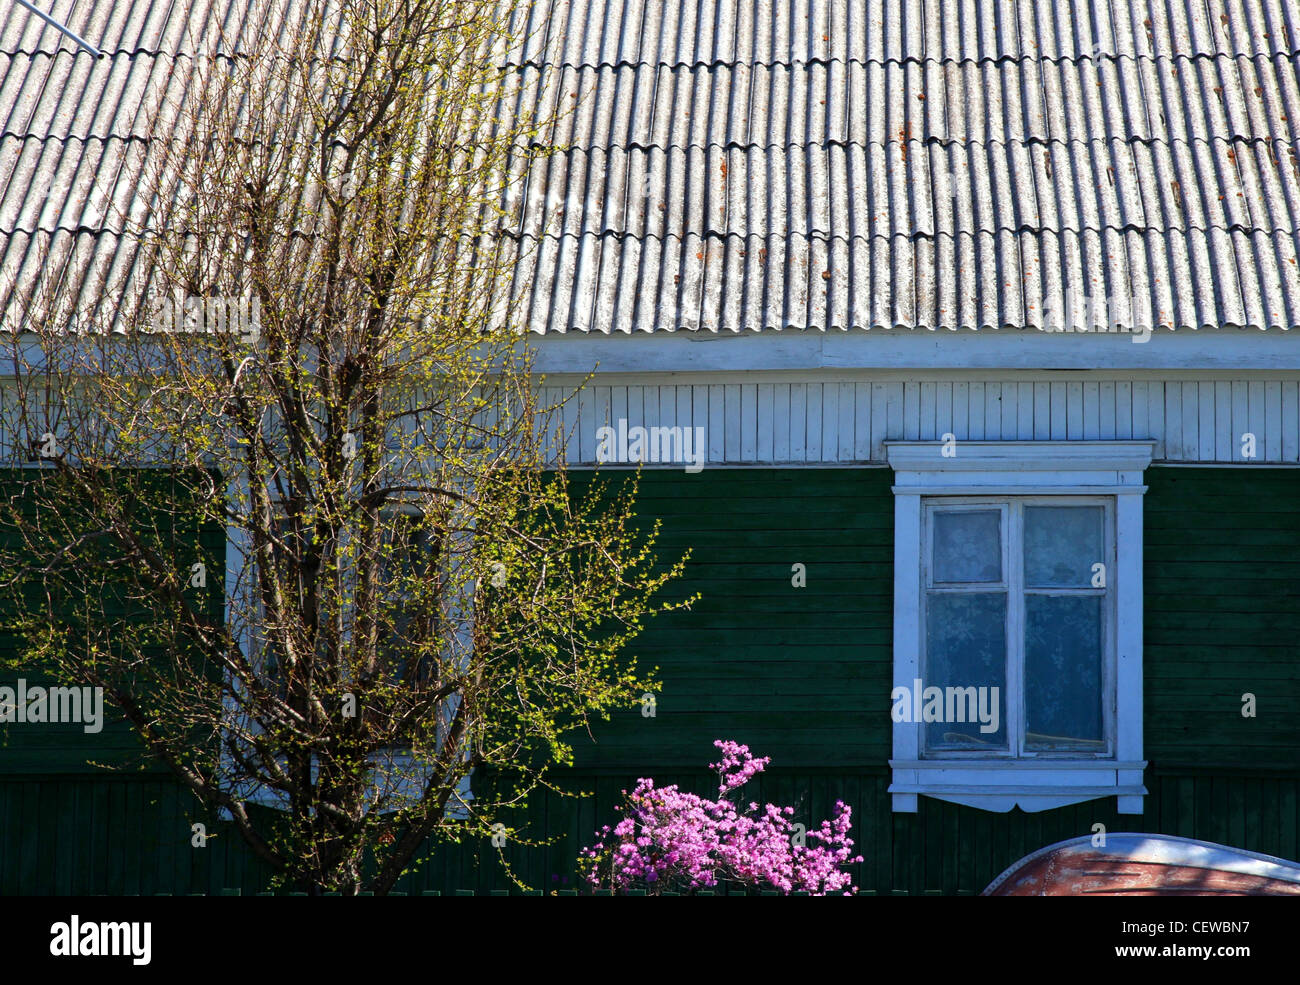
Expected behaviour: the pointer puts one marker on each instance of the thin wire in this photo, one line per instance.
(61, 27)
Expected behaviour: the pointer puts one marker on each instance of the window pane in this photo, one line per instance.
(966, 647)
(1063, 672)
(967, 546)
(1062, 543)
(409, 578)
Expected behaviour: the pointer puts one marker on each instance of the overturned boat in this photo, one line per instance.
(1131, 864)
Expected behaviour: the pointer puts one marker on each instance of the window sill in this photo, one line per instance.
(406, 787)
(1000, 785)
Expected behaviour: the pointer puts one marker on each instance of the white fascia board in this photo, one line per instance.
(912, 349)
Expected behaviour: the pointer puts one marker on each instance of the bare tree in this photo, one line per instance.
(312, 350)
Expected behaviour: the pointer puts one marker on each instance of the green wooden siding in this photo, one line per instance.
(803, 676)
(50, 749)
(798, 673)
(71, 835)
(1222, 616)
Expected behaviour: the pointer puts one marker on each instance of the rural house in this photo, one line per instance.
(955, 339)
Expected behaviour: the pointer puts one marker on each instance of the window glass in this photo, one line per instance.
(1062, 543)
(411, 561)
(1063, 672)
(967, 648)
(967, 546)
(1054, 640)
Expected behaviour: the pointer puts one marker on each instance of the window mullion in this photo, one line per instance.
(1110, 672)
(1015, 629)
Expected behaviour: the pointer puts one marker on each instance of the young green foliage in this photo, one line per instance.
(414, 597)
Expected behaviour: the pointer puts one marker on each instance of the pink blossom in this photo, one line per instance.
(668, 840)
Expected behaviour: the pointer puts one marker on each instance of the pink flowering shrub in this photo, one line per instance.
(674, 841)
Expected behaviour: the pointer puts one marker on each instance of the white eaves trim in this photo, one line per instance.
(975, 468)
(910, 349)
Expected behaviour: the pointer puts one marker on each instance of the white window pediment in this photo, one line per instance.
(1018, 577)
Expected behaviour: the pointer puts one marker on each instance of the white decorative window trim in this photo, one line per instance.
(1020, 468)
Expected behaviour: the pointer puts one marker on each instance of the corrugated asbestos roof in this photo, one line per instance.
(765, 164)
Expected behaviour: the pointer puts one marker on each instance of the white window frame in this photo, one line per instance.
(1043, 470)
(1011, 529)
(237, 579)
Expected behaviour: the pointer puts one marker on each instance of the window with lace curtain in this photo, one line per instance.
(1018, 623)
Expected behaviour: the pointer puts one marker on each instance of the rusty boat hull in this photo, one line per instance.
(1146, 865)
